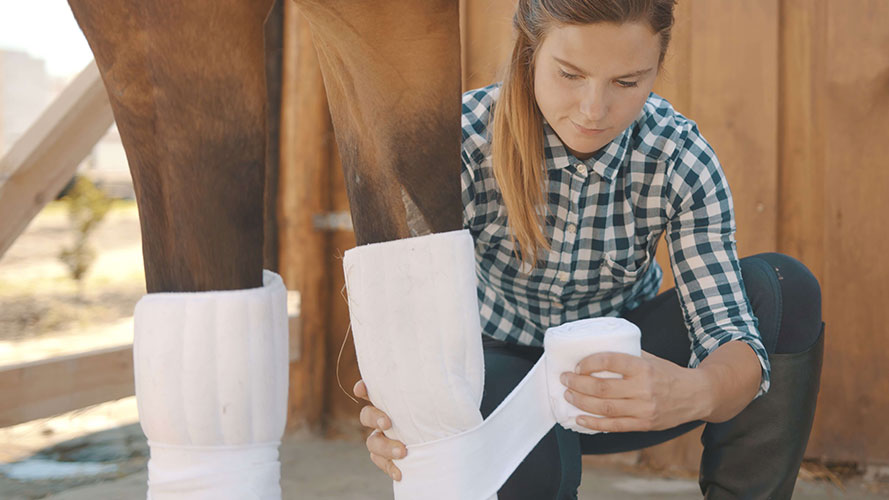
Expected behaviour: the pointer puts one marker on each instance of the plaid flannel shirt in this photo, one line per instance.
(604, 217)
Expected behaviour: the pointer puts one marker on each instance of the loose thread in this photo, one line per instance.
(340, 355)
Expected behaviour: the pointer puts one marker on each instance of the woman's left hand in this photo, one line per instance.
(654, 393)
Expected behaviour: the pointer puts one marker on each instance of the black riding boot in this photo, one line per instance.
(758, 453)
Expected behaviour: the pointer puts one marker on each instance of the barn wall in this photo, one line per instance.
(793, 95)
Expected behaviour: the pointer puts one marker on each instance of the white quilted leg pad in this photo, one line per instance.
(418, 339)
(211, 373)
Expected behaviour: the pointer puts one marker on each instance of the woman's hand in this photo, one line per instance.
(382, 449)
(654, 393)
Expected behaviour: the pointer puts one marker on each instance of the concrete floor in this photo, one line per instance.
(313, 468)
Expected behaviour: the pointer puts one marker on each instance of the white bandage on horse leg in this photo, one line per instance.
(418, 340)
(211, 372)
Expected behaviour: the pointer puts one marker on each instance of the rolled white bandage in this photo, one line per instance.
(418, 340)
(211, 373)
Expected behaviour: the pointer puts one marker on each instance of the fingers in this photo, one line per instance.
(633, 408)
(374, 418)
(360, 390)
(383, 450)
(388, 449)
(615, 424)
(386, 466)
(601, 387)
(617, 362)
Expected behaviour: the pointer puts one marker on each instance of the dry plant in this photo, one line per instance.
(87, 206)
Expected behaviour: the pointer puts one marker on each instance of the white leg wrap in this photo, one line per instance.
(211, 372)
(418, 339)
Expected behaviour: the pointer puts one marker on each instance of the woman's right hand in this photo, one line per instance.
(382, 449)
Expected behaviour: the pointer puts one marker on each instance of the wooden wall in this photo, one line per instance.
(794, 97)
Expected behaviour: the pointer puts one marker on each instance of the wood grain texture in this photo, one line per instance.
(306, 141)
(734, 95)
(486, 39)
(44, 388)
(43, 160)
(849, 80)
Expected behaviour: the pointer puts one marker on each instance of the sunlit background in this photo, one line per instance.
(44, 311)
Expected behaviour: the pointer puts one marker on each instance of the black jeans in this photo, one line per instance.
(786, 299)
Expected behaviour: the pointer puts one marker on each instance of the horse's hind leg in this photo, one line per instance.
(186, 83)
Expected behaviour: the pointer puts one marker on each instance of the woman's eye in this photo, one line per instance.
(568, 76)
(626, 84)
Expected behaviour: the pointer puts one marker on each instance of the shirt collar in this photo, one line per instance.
(605, 162)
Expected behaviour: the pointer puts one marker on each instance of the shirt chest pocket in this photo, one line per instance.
(621, 268)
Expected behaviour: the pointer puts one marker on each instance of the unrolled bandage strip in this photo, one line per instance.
(417, 335)
(211, 373)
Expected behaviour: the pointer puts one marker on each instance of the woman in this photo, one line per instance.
(592, 168)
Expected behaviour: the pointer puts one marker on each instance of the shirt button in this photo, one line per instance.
(557, 304)
(581, 169)
(571, 228)
(563, 276)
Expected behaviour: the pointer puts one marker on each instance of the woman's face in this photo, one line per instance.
(592, 80)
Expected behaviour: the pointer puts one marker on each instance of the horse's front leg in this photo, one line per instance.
(392, 74)
(187, 86)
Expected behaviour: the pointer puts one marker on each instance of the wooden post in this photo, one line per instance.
(274, 51)
(306, 141)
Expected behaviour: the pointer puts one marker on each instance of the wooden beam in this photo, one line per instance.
(45, 158)
(44, 388)
(304, 191)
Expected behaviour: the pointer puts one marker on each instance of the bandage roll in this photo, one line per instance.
(566, 345)
(211, 377)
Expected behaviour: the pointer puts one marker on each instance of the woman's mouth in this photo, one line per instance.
(588, 131)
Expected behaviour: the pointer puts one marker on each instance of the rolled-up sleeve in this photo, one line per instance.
(703, 254)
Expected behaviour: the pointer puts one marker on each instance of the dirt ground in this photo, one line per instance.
(39, 300)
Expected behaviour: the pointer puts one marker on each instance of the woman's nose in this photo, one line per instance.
(594, 107)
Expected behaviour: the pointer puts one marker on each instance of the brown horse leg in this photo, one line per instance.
(186, 79)
(187, 86)
(392, 74)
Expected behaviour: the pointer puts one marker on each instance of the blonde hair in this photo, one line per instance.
(517, 148)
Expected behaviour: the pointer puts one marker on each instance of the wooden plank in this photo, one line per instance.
(40, 389)
(734, 92)
(850, 71)
(486, 38)
(43, 160)
(803, 148)
(306, 140)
